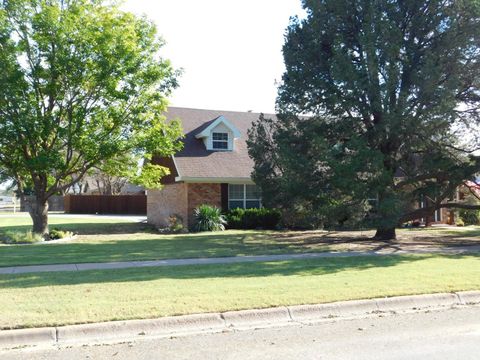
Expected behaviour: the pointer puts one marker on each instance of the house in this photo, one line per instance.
(213, 168)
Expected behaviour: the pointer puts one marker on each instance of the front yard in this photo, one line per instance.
(106, 240)
(32, 300)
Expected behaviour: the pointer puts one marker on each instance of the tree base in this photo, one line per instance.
(385, 234)
(39, 215)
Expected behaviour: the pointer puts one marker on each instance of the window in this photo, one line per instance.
(243, 196)
(220, 141)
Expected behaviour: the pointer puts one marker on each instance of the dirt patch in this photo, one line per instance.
(407, 239)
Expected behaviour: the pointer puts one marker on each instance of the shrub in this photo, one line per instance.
(175, 223)
(209, 218)
(56, 234)
(470, 217)
(18, 237)
(261, 218)
(235, 218)
(459, 222)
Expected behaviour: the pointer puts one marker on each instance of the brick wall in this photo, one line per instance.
(180, 199)
(172, 199)
(199, 194)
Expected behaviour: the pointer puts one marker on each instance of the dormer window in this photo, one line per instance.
(219, 135)
(220, 141)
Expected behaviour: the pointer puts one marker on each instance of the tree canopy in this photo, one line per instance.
(380, 100)
(81, 82)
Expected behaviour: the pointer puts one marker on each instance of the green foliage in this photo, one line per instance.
(56, 234)
(20, 237)
(209, 218)
(261, 218)
(82, 82)
(175, 224)
(369, 108)
(459, 222)
(470, 217)
(150, 176)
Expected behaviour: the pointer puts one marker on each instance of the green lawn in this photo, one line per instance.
(107, 240)
(82, 225)
(64, 298)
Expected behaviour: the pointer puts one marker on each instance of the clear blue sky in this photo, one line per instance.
(230, 50)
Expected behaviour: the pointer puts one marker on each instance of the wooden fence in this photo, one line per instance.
(106, 204)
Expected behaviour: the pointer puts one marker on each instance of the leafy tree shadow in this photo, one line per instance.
(304, 267)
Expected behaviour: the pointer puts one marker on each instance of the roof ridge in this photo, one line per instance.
(216, 110)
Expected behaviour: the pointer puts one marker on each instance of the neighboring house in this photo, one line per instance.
(213, 168)
(469, 189)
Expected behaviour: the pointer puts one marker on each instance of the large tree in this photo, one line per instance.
(380, 100)
(81, 82)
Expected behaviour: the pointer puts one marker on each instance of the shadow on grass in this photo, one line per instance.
(93, 228)
(304, 267)
(157, 248)
(465, 233)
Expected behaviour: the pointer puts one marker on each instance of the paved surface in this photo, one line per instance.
(224, 260)
(447, 334)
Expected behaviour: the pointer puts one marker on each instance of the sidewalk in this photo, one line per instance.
(226, 260)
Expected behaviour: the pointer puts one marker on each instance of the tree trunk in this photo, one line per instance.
(385, 234)
(39, 214)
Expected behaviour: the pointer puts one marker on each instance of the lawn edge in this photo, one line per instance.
(129, 330)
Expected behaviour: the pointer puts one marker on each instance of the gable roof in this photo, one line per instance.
(194, 162)
(219, 120)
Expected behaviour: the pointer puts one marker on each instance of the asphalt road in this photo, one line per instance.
(448, 334)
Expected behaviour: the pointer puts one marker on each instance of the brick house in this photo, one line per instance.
(212, 168)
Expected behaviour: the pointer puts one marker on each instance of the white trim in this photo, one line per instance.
(216, 180)
(176, 167)
(219, 120)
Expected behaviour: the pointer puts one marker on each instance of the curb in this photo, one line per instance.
(27, 337)
(128, 330)
(314, 313)
(114, 330)
(246, 319)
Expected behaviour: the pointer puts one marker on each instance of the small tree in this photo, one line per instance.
(391, 95)
(111, 176)
(81, 82)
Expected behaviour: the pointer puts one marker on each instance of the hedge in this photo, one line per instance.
(262, 218)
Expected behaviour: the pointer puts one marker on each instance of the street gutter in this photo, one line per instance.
(129, 330)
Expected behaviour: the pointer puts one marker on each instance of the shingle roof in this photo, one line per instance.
(195, 161)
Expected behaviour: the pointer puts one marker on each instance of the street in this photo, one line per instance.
(447, 334)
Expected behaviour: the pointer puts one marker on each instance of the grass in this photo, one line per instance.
(83, 225)
(107, 240)
(32, 300)
(104, 240)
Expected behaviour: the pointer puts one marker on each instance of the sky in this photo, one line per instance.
(230, 50)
